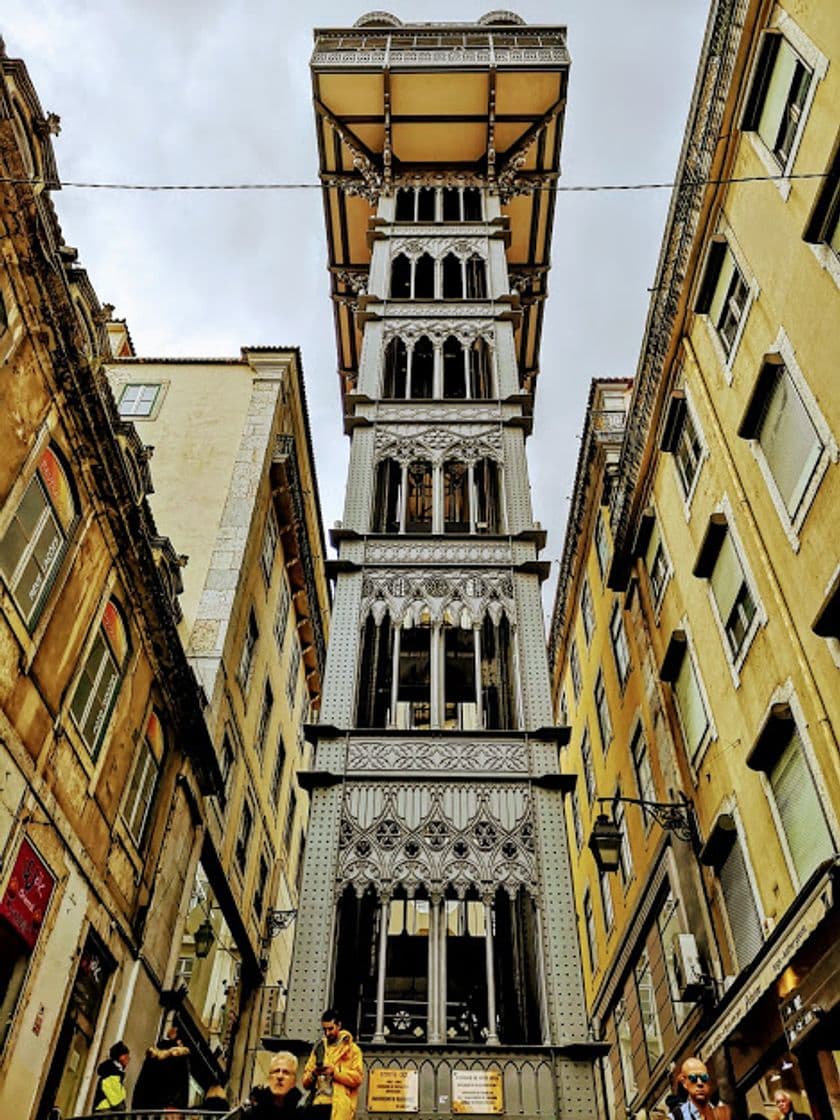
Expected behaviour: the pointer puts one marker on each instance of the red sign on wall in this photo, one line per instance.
(27, 895)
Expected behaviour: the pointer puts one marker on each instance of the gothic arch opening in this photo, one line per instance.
(422, 369)
(453, 279)
(396, 369)
(454, 379)
(424, 277)
(401, 277)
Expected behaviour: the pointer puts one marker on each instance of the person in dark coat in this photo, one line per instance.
(215, 1100)
(110, 1090)
(164, 1078)
(281, 1096)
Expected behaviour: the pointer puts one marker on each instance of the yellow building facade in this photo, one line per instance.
(724, 557)
(255, 623)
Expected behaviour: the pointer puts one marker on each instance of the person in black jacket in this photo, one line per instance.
(281, 1097)
(110, 1090)
(164, 1078)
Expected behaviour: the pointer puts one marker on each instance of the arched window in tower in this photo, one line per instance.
(387, 495)
(418, 499)
(414, 673)
(451, 204)
(424, 277)
(497, 676)
(460, 696)
(396, 369)
(476, 278)
(453, 277)
(401, 277)
(375, 673)
(454, 378)
(472, 204)
(487, 496)
(426, 204)
(422, 369)
(456, 498)
(405, 204)
(481, 382)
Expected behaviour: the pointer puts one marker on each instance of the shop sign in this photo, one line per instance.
(393, 1090)
(477, 1092)
(27, 895)
(801, 927)
(797, 1017)
(94, 969)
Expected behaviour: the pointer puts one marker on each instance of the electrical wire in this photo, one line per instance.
(555, 188)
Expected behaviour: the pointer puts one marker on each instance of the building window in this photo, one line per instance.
(641, 766)
(786, 435)
(99, 682)
(4, 316)
(281, 615)
(269, 545)
(277, 772)
(780, 754)
(265, 718)
(589, 924)
(824, 223)
(606, 902)
(602, 545)
(678, 669)
(587, 612)
(670, 928)
(658, 567)
(647, 1006)
(294, 675)
(621, 650)
(261, 886)
(140, 795)
(777, 98)
(602, 709)
(138, 401)
(577, 823)
(720, 563)
(289, 825)
(246, 658)
(723, 851)
(689, 454)
(625, 1050)
(625, 856)
(724, 295)
(419, 498)
(35, 541)
(563, 712)
(461, 204)
(227, 762)
(588, 768)
(243, 835)
(574, 669)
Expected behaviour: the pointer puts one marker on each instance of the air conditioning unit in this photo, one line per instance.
(688, 968)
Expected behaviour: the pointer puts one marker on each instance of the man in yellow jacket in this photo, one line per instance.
(110, 1090)
(334, 1071)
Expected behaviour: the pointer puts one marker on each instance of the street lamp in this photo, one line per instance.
(606, 838)
(203, 939)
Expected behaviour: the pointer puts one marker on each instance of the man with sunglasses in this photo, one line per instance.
(695, 1080)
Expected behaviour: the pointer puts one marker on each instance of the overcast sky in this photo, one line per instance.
(218, 91)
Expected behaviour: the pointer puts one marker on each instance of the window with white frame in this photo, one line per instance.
(724, 295)
(658, 566)
(289, 825)
(679, 670)
(588, 768)
(720, 563)
(589, 924)
(777, 97)
(99, 681)
(281, 615)
(574, 669)
(723, 851)
(641, 766)
(587, 612)
(824, 223)
(786, 434)
(277, 771)
(780, 754)
(266, 708)
(606, 902)
(620, 647)
(136, 810)
(625, 856)
(249, 646)
(36, 538)
(647, 1008)
(625, 1050)
(602, 544)
(689, 454)
(227, 762)
(269, 545)
(602, 710)
(243, 834)
(138, 401)
(294, 674)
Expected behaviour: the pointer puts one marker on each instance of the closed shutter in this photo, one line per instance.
(690, 703)
(726, 578)
(740, 906)
(776, 97)
(800, 811)
(790, 441)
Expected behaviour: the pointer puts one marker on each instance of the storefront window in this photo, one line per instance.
(781, 1083)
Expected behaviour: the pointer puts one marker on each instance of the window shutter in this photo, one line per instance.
(690, 704)
(740, 906)
(776, 97)
(727, 270)
(789, 441)
(727, 578)
(799, 808)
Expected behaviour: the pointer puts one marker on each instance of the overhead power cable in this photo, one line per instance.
(555, 188)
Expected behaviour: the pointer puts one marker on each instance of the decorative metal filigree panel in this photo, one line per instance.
(438, 444)
(406, 595)
(437, 837)
(447, 755)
